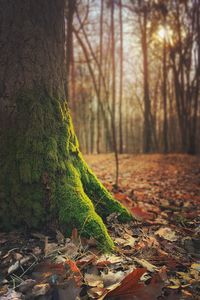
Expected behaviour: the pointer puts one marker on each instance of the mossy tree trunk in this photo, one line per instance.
(43, 177)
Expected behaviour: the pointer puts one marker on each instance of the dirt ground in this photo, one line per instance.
(157, 255)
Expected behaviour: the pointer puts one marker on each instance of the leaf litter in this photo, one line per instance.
(157, 255)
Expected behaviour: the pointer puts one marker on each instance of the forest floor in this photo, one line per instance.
(157, 255)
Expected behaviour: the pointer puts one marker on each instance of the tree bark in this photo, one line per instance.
(71, 6)
(121, 142)
(113, 114)
(100, 77)
(44, 179)
(147, 130)
(164, 93)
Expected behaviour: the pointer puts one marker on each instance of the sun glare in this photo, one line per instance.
(165, 33)
(162, 33)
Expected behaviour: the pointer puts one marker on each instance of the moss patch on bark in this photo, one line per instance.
(103, 201)
(44, 178)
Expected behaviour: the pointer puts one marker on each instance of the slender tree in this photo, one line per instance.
(143, 14)
(100, 77)
(71, 5)
(113, 115)
(164, 89)
(121, 78)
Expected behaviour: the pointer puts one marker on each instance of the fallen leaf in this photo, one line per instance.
(60, 259)
(70, 290)
(86, 260)
(174, 283)
(59, 237)
(93, 280)
(167, 234)
(129, 284)
(96, 292)
(195, 266)
(112, 278)
(73, 267)
(185, 276)
(174, 287)
(40, 289)
(108, 259)
(18, 256)
(37, 251)
(12, 295)
(70, 250)
(146, 264)
(124, 199)
(49, 248)
(26, 285)
(140, 214)
(75, 271)
(46, 270)
(127, 240)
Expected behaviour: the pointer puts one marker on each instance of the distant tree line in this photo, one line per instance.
(133, 75)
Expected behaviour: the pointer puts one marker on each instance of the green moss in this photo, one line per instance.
(25, 171)
(77, 211)
(103, 201)
(29, 149)
(43, 176)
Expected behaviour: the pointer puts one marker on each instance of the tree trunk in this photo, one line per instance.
(113, 114)
(192, 147)
(99, 112)
(147, 130)
(164, 92)
(121, 142)
(71, 5)
(44, 179)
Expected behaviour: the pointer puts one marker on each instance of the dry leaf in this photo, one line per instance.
(50, 247)
(70, 250)
(37, 251)
(129, 284)
(139, 214)
(108, 259)
(112, 278)
(96, 292)
(75, 271)
(146, 264)
(26, 285)
(12, 295)
(40, 289)
(60, 237)
(167, 234)
(18, 256)
(93, 280)
(86, 260)
(70, 291)
(127, 240)
(195, 266)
